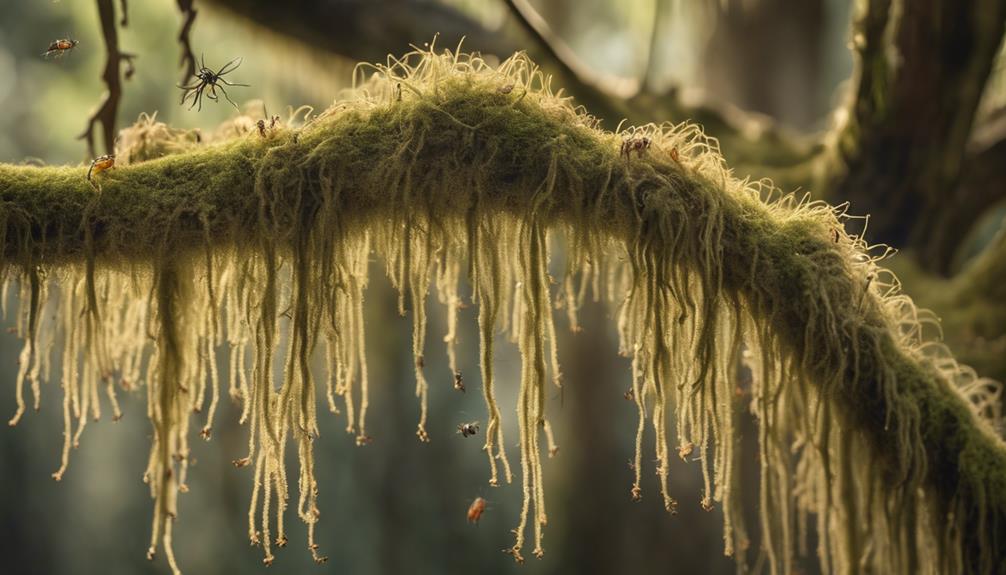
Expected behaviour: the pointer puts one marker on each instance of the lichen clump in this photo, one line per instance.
(450, 168)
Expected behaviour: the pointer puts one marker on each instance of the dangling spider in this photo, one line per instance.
(213, 80)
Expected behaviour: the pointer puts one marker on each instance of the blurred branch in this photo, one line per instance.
(659, 8)
(572, 67)
(982, 186)
(368, 31)
(108, 109)
(125, 13)
(921, 69)
(188, 58)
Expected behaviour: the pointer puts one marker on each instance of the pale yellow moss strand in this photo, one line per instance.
(488, 287)
(448, 271)
(358, 284)
(418, 272)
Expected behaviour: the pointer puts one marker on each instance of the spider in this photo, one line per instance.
(213, 80)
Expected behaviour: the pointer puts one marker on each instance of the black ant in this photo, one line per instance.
(213, 80)
(459, 382)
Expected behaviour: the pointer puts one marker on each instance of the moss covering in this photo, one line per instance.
(446, 166)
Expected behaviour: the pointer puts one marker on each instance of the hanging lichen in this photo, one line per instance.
(452, 169)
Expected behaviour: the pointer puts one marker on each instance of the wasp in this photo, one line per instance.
(61, 47)
(469, 429)
(634, 144)
(207, 78)
(459, 382)
(476, 509)
(100, 164)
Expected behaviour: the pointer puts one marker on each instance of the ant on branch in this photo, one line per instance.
(213, 80)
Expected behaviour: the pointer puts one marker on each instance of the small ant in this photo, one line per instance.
(459, 382)
(468, 429)
(60, 47)
(629, 395)
(638, 144)
(213, 80)
(476, 509)
(100, 164)
(262, 127)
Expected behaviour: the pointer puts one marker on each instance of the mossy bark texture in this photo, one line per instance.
(450, 167)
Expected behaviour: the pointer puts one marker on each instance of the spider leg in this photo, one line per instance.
(227, 68)
(233, 83)
(197, 98)
(189, 91)
(229, 99)
(213, 92)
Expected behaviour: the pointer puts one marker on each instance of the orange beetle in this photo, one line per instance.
(100, 164)
(60, 47)
(476, 509)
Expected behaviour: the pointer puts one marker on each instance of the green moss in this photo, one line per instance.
(442, 159)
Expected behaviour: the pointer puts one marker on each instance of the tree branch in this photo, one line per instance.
(920, 73)
(483, 152)
(108, 109)
(188, 57)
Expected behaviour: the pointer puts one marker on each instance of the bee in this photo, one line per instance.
(469, 429)
(634, 144)
(61, 47)
(459, 382)
(476, 509)
(100, 164)
(207, 78)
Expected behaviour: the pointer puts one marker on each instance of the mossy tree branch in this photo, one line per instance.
(461, 149)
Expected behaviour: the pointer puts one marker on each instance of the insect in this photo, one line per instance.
(100, 164)
(634, 144)
(476, 509)
(629, 395)
(685, 450)
(459, 382)
(61, 47)
(213, 80)
(262, 130)
(469, 429)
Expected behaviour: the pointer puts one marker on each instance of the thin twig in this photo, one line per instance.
(107, 111)
(125, 14)
(188, 59)
(564, 56)
(651, 60)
